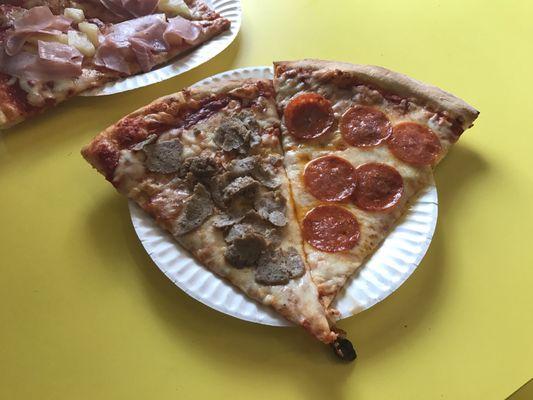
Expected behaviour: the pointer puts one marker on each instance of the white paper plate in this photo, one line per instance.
(230, 9)
(381, 275)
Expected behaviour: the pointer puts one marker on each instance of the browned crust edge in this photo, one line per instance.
(103, 151)
(390, 81)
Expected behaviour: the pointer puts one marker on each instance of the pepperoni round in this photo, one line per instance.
(309, 116)
(330, 178)
(379, 187)
(331, 229)
(363, 126)
(414, 144)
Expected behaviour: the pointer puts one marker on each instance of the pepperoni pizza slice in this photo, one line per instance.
(207, 164)
(360, 143)
(46, 58)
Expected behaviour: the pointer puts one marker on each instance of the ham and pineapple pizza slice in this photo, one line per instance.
(360, 142)
(112, 11)
(206, 163)
(46, 58)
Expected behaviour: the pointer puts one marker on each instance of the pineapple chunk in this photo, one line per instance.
(74, 14)
(174, 7)
(61, 38)
(91, 30)
(80, 41)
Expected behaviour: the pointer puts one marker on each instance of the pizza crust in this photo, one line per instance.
(11, 112)
(391, 81)
(107, 145)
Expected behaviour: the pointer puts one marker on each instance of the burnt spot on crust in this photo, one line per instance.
(164, 157)
(343, 349)
(272, 207)
(277, 267)
(196, 209)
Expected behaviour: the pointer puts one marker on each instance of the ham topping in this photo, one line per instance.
(37, 20)
(53, 61)
(135, 41)
(142, 38)
(179, 29)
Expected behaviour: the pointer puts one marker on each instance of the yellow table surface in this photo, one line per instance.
(85, 314)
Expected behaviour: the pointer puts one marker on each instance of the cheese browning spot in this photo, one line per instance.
(309, 116)
(414, 144)
(331, 229)
(343, 349)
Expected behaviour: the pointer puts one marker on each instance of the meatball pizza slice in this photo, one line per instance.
(206, 163)
(360, 143)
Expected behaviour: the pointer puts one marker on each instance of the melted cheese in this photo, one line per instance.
(297, 300)
(193, 142)
(330, 270)
(130, 171)
(38, 93)
(3, 118)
